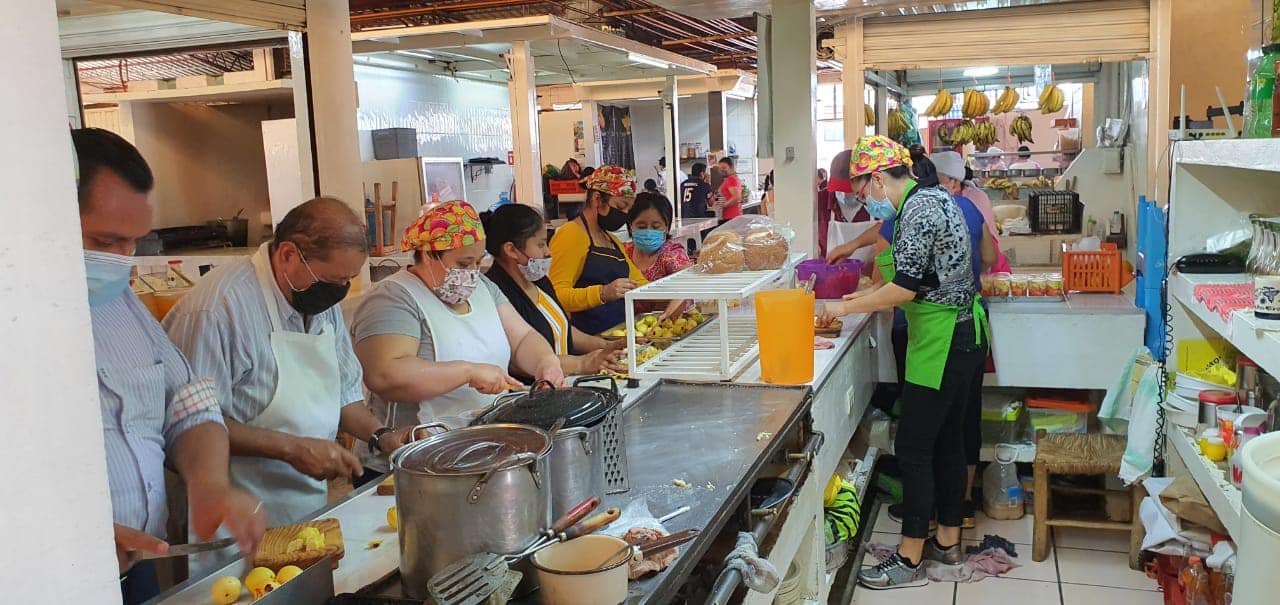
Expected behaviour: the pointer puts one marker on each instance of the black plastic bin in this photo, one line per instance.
(1055, 212)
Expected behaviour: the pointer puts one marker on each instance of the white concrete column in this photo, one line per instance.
(58, 515)
(71, 82)
(524, 125)
(854, 81)
(302, 129)
(795, 150)
(331, 84)
(671, 130)
(882, 110)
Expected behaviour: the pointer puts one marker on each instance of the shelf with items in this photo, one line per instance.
(720, 349)
(1240, 328)
(1223, 496)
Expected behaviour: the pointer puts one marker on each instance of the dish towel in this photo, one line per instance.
(758, 574)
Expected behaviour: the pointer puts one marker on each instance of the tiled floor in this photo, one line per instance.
(1085, 567)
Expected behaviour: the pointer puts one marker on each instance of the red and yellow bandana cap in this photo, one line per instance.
(445, 226)
(875, 153)
(613, 180)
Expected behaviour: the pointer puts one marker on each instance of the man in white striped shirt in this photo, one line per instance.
(153, 408)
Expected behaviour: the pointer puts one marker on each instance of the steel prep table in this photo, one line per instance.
(836, 400)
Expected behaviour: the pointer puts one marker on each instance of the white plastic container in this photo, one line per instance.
(1259, 544)
(1001, 489)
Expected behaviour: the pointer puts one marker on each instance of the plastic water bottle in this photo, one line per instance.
(1001, 490)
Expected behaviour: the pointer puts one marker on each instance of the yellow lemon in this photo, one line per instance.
(288, 572)
(393, 518)
(257, 578)
(268, 587)
(226, 590)
(309, 532)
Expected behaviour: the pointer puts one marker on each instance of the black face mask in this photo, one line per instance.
(319, 296)
(612, 221)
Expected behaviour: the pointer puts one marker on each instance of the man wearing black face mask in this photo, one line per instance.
(269, 333)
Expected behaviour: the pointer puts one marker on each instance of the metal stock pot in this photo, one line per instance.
(468, 491)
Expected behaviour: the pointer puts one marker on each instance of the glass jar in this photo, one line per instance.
(1053, 284)
(1018, 285)
(1037, 286)
(1001, 284)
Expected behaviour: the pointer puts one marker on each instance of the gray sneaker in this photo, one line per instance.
(894, 572)
(946, 556)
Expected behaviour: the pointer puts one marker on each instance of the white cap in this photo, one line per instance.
(949, 163)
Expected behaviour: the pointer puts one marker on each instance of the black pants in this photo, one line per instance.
(140, 583)
(930, 444)
(972, 412)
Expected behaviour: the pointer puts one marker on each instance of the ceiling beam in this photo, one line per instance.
(716, 38)
(436, 9)
(633, 11)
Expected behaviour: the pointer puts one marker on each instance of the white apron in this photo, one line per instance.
(839, 233)
(476, 336)
(305, 404)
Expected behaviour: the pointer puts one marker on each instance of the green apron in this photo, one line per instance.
(930, 325)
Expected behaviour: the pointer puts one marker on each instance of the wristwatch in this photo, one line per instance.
(373, 440)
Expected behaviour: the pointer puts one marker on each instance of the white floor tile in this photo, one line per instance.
(1100, 568)
(1001, 590)
(1044, 571)
(935, 593)
(1091, 539)
(884, 523)
(1018, 531)
(1075, 594)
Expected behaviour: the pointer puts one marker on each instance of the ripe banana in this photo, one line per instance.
(1020, 127)
(941, 105)
(871, 115)
(897, 124)
(1008, 100)
(1051, 99)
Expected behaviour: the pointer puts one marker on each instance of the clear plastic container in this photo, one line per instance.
(1018, 285)
(1053, 284)
(1001, 284)
(1001, 489)
(1037, 286)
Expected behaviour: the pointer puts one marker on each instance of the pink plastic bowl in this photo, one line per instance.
(834, 281)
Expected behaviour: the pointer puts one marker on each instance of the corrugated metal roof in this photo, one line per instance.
(115, 74)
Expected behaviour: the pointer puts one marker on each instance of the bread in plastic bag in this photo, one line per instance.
(749, 242)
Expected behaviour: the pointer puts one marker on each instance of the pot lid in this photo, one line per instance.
(579, 406)
(475, 450)
(1217, 396)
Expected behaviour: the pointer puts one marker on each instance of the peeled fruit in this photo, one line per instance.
(393, 518)
(308, 532)
(313, 543)
(295, 545)
(257, 578)
(288, 572)
(226, 590)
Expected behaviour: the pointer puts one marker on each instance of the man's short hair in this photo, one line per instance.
(322, 225)
(727, 161)
(98, 150)
(698, 170)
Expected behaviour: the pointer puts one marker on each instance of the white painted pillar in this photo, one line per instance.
(58, 515)
(331, 75)
(854, 81)
(71, 82)
(524, 125)
(882, 109)
(671, 130)
(302, 131)
(795, 150)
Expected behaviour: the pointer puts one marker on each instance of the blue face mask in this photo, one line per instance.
(648, 241)
(881, 208)
(107, 276)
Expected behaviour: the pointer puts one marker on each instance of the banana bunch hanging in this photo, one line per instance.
(871, 115)
(962, 134)
(941, 105)
(897, 124)
(1021, 128)
(975, 104)
(1007, 101)
(1051, 99)
(984, 134)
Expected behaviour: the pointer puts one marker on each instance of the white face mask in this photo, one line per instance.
(458, 285)
(536, 269)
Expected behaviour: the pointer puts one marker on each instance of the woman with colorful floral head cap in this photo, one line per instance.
(589, 269)
(436, 340)
(929, 275)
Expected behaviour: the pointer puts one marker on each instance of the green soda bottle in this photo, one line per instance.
(1261, 90)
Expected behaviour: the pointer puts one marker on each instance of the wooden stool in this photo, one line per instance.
(1080, 455)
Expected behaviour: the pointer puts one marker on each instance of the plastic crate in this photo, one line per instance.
(1093, 271)
(1058, 412)
(1055, 212)
(564, 187)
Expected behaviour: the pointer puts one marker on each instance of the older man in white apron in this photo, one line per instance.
(154, 410)
(269, 333)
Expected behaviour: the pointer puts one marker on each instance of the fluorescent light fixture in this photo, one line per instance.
(981, 72)
(649, 99)
(421, 54)
(647, 60)
(565, 106)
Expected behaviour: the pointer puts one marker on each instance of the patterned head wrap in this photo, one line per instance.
(613, 180)
(445, 226)
(875, 153)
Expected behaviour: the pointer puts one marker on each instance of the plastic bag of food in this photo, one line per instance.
(749, 242)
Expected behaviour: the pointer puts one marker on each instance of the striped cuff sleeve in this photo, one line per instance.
(195, 403)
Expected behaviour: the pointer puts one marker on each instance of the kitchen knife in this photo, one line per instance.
(183, 550)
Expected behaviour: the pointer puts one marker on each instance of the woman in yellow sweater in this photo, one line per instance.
(589, 270)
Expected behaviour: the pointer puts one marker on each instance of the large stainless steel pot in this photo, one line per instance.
(467, 491)
(577, 467)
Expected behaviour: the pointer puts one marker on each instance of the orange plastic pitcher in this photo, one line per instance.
(784, 321)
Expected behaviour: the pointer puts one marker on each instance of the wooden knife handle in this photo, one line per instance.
(575, 515)
(591, 525)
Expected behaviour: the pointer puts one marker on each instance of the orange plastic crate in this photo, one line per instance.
(1095, 271)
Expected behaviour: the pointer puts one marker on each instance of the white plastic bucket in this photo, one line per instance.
(1259, 540)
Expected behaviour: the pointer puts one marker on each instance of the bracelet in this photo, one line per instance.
(373, 439)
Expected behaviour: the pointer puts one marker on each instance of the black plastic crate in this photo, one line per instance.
(1055, 212)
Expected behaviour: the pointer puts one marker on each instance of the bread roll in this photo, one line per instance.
(722, 253)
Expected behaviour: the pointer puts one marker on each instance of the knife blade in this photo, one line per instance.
(183, 550)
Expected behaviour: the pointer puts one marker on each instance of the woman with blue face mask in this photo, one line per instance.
(650, 249)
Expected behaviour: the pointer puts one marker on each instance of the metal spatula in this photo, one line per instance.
(478, 579)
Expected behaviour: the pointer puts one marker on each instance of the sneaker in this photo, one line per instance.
(946, 556)
(970, 517)
(894, 572)
(896, 511)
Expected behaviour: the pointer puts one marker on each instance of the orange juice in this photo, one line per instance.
(166, 299)
(784, 322)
